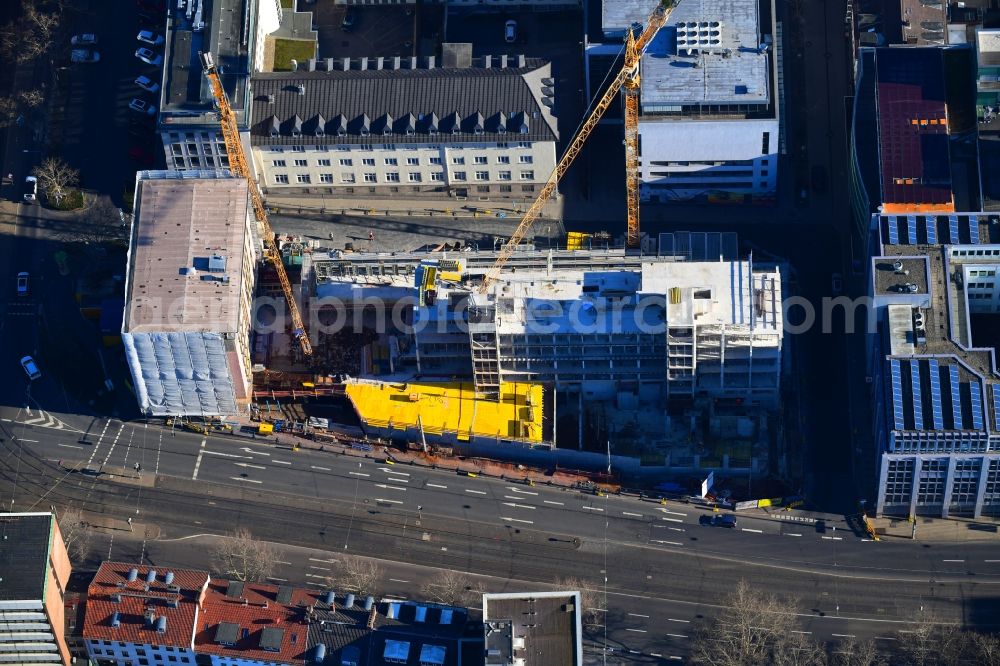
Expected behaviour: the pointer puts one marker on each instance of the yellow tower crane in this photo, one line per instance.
(239, 166)
(627, 77)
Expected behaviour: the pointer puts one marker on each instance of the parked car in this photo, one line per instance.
(726, 520)
(149, 57)
(142, 106)
(149, 37)
(22, 284)
(836, 283)
(510, 31)
(84, 55)
(31, 368)
(147, 84)
(86, 39)
(30, 189)
(350, 19)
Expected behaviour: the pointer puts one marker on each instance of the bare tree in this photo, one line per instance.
(100, 222)
(589, 598)
(986, 649)
(852, 652)
(31, 99)
(56, 178)
(241, 556)
(360, 575)
(754, 627)
(76, 534)
(31, 35)
(453, 588)
(9, 109)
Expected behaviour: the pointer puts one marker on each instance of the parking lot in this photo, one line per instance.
(392, 30)
(92, 127)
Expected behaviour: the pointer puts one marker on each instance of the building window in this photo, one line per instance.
(459, 175)
(505, 188)
(412, 161)
(391, 161)
(502, 144)
(504, 175)
(347, 178)
(392, 177)
(527, 188)
(414, 177)
(278, 163)
(368, 161)
(503, 159)
(458, 160)
(435, 160)
(528, 174)
(482, 188)
(277, 149)
(390, 146)
(370, 178)
(525, 159)
(524, 144)
(437, 176)
(347, 162)
(301, 163)
(765, 144)
(298, 149)
(482, 175)
(326, 178)
(303, 178)
(480, 159)
(281, 178)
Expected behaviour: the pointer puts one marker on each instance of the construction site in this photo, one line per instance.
(662, 353)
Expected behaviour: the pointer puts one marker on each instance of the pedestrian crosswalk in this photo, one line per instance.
(42, 419)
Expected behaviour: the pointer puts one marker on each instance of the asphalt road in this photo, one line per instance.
(651, 554)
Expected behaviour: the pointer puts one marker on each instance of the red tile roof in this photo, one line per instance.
(255, 610)
(136, 597)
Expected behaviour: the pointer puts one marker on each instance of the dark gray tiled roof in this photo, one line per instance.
(400, 101)
(24, 554)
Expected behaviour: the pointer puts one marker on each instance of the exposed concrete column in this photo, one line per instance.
(949, 482)
(915, 484)
(984, 471)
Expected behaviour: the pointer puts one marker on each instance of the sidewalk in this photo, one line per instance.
(938, 529)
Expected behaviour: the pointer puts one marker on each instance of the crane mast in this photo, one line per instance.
(239, 166)
(628, 76)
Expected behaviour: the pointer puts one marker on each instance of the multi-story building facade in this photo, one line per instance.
(709, 114)
(385, 127)
(138, 616)
(935, 383)
(234, 33)
(188, 293)
(36, 570)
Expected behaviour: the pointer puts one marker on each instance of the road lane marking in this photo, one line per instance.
(517, 520)
(197, 462)
(523, 492)
(671, 619)
(792, 534)
(801, 632)
(844, 635)
(316, 559)
(673, 520)
(74, 446)
(638, 631)
(677, 635)
(313, 566)
(519, 506)
(673, 513)
(832, 538)
(100, 438)
(251, 465)
(280, 580)
(655, 654)
(33, 441)
(226, 455)
(397, 580)
(316, 576)
(747, 529)
(281, 562)
(553, 502)
(884, 638)
(629, 513)
(991, 560)
(388, 501)
(240, 478)
(359, 474)
(953, 560)
(637, 615)
(323, 469)
(254, 453)
(478, 492)
(432, 485)
(392, 471)
(592, 508)
(673, 529)
(382, 485)
(669, 543)
(282, 462)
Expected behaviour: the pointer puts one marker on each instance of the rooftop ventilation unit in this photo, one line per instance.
(349, 601)
(161, 624)
(116, 620)
(133, 573)
(897, 266)
(151, 576)
(169, 577)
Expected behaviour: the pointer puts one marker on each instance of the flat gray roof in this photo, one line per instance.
(24, 555)
(707, 53)
(539, 628)
(183, 221)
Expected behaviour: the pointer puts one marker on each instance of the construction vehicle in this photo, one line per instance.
(627, 78)
(239, 165)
